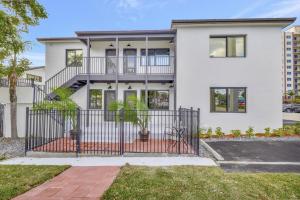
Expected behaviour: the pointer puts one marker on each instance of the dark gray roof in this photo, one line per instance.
(36, 67)
(56, 39)
(240, 20)
(125, 32)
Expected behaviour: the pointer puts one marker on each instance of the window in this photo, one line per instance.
(288, 55)
(288, 49)
(288, 43)
(288, 37)
(157, 99)
(289, 73)
(289, 67)
(95, 99)
(288, 61)
(289, 79)
(156, 57)
(74, 57)
(228, 100)
(289, 85)
(227, 46)
(34, 77)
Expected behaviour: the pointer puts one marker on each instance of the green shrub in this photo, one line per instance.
(267, 131)
(202, 133)
(250, 132)
(236, 133)
(219, 132)
(289, 130)
(278, 132)
(209, 133)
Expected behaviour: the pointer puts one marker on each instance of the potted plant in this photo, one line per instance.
(136, 112)
(65, 105)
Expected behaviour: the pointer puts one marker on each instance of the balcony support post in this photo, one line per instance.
(146, 80)
(88, 73)
(175, 74)
(117, 68)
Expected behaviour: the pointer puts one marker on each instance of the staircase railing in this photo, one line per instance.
(62, 77)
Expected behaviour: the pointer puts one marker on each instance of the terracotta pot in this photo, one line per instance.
(144, 135)
(73, 134)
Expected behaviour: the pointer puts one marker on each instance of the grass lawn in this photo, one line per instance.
(17, 179)
(189, 182)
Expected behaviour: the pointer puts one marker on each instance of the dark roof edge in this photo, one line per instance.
(240, 20)
(56, 39)
(37, 67)
(125, 32)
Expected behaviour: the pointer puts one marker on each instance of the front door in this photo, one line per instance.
(129, 61)
(110, 61)
(109, 97)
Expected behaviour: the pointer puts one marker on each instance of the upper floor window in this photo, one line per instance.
(288, 49)
(156, 57)
(227, 46)
(289, 85)
(227, 99)
(34, 77)
(74, 57)
(289, 73)
(288, 43)
(288, 37)
(288, 55)
(288, 61)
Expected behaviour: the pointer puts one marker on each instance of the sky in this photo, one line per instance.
(67, 16)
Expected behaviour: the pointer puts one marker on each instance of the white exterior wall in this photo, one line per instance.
(25, 97)
(56, 55)
(80, 96)
(259, 71)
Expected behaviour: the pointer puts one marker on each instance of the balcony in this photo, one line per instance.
(130, 68)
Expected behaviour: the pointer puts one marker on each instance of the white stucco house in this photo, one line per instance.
(229, 68)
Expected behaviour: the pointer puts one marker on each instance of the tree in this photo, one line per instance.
(291, 94)
(15, 18)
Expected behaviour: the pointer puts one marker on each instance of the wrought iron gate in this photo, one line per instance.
(89, 131)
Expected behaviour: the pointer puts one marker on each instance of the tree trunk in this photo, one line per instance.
(13, 101)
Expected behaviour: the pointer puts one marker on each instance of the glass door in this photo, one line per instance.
(129, 61)
(110, 61)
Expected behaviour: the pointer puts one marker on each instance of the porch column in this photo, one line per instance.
(146, 80)
(175, 74)
(117, 66)
(88, 73)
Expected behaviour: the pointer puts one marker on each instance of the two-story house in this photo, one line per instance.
(229, 68)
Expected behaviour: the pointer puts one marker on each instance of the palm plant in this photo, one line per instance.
(135, 111)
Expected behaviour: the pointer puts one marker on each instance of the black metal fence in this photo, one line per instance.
(1, 120)
(113, 132)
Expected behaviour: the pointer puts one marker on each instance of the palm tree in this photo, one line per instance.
(13, 70)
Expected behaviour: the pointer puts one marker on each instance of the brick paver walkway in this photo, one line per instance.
(86, 183)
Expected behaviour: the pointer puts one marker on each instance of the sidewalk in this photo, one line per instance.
(112, 161)
(88, 183)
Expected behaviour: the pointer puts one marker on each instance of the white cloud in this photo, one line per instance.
(125, 4)
(284, 8)
(36, 58)
(250, 8)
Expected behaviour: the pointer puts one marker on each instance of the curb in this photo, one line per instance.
(258, 163)
(211, 150)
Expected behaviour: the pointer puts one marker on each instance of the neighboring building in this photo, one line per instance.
(229, 68)
(25, 93)
(291, 60)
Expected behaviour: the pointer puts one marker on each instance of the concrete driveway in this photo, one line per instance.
(265, 156)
